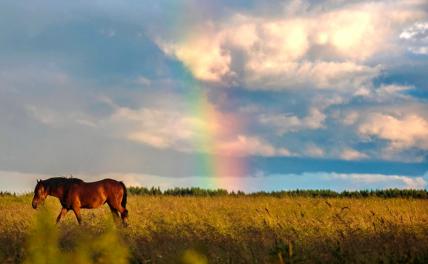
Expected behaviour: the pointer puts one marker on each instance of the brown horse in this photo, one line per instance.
(74, 194)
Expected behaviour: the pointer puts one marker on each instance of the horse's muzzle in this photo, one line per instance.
(34, 204)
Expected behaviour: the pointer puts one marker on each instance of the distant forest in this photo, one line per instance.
(195, 191)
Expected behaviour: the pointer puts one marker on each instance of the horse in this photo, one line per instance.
(75, 194)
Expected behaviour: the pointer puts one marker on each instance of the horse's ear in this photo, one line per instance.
(38, 180)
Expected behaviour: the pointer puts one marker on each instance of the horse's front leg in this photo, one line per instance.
(76, 211)
(61, 214)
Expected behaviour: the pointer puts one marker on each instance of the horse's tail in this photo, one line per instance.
(125, 195)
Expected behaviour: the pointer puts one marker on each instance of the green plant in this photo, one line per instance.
(88, 246)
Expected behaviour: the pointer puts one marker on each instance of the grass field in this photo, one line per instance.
(224, 229)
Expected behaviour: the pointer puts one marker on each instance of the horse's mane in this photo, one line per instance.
(56, 181)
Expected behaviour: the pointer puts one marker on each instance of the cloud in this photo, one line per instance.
(157, 128)
(387, 181)
(313, 150)
(277, 75)
(19, 182)
(384, 93)
(55, 119)
(284, 123)
(350, 118)
(250, 145)
(319, 49)
(44, 115)
(403, 132)
(143, 81)
(203, 56)
(168, 129)
(416, 37)
(352, 154)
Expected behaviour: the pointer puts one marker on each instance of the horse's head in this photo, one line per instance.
(40, 193)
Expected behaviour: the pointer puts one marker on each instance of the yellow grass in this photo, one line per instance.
(166, 229)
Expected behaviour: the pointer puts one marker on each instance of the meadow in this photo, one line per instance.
(220, 229)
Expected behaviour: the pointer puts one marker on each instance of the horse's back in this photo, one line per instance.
(106, 181)
(95, 194)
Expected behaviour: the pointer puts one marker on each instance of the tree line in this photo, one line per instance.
(196, 191)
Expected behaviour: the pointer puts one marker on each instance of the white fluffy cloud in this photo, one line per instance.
(313, 150)
(250, 145)
(358, 181)
(277, 75)
(352, 154)
(322, 49)
(185, 132)
(283, 123)
(384, 93)
(203, 56)
(158, 128)
(402, 132)
(417, 37)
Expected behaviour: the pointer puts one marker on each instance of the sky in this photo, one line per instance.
(240, 95)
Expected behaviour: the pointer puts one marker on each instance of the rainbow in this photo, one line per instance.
(216, 168)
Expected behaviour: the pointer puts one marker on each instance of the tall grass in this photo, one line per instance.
(221, 229)
(85, 246)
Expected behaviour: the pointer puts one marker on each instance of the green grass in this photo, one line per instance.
(221, 229)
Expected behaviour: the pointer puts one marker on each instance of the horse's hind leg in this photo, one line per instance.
(61, 214)
(115, 213)
(117, 205)
(124, 215)
(76, 211)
